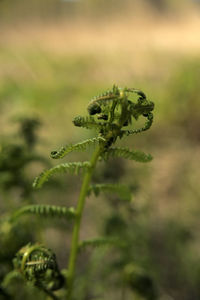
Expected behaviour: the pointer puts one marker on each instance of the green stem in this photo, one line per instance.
(76, 229)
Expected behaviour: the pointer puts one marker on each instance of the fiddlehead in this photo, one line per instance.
(116, 110)
(38, 265)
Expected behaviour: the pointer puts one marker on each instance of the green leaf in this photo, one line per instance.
(44, 210)
(128, 154)
(77, 147)
(122, 190)
(73, 168)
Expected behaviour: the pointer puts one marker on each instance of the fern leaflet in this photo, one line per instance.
(128, 154)
(45, 210)
(122, 190)
(77, 147)
(88, 123)
(73, 168)
(146, 126)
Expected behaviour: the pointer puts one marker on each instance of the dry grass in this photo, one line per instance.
(122, 49)
(177, 35)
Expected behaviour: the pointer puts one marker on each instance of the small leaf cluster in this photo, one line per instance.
(38, 265)
(112, 111)
(109, 113)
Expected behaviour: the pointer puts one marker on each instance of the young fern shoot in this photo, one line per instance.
(109, 114)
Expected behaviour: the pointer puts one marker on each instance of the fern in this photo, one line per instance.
(77, 147)
(109, 114)
(127, 154)
(99, 242)
(45, 210)
(73, 168)
(122, 190)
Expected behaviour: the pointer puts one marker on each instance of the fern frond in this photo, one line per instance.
(94, 105)
(146, 126)
(88, 122)
(122, 190)
(77, 147)
(138, 92)
(73, 168)
(38, 265)
(99, 242)
(128, 154)
(44, 210)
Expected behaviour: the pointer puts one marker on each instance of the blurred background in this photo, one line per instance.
(55, 55)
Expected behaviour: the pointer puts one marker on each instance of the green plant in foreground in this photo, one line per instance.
(111, 115)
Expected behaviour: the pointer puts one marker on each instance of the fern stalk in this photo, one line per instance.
(79, 212)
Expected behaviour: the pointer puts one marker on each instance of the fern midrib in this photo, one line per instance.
(79, 212)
